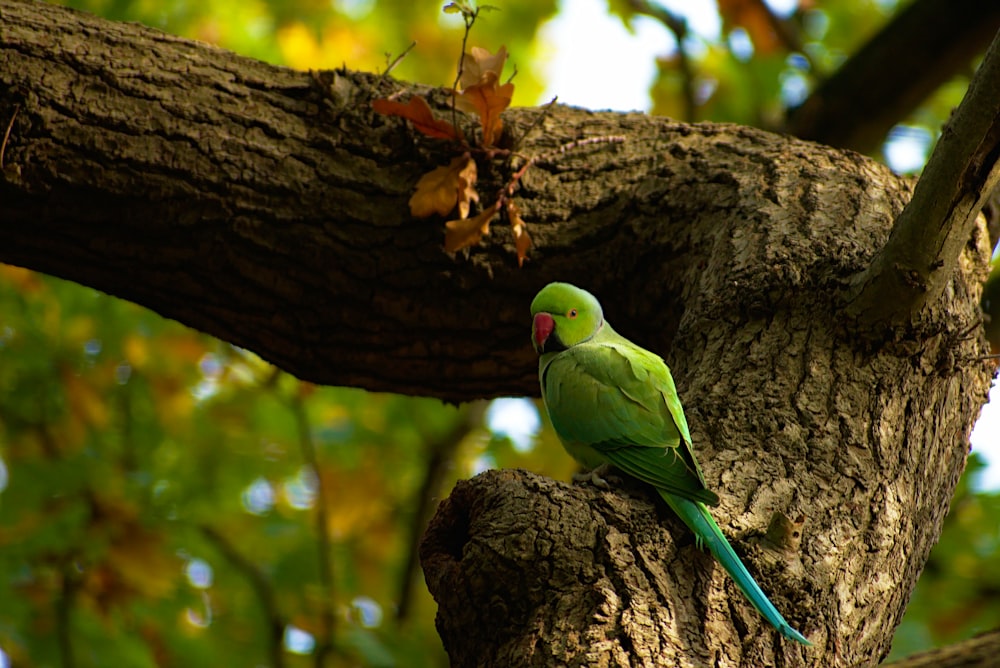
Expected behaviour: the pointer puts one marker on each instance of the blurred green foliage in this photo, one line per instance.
(169, 500)
(958, 594)
(163, 494)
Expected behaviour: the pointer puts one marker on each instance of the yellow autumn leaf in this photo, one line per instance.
(87, 403)
(522, 242)
(756, 18)
(23, 280)
(418, 112)
(443, 188)
(488, 99)
(467, 232)
(136, 350)
(478, 63)
(143, 563)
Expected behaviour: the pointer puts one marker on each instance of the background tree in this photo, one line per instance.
(136, 450)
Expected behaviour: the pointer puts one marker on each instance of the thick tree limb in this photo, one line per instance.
(923, 46)
(978, 652)
(240, 199)
(914, 266)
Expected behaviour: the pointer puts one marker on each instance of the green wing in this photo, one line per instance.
(611, 397)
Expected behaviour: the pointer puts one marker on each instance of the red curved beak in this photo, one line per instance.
(541, 329)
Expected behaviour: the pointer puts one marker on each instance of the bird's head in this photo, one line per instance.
(563, 316)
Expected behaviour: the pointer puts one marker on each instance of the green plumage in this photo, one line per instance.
(613, 402)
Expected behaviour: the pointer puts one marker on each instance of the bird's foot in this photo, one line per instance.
(595, 476)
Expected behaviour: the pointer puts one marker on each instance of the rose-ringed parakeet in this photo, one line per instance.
(612, 402)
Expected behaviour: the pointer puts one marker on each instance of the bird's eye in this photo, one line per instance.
(571, 313)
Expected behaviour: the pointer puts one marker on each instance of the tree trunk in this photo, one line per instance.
(790, 413)
(253, 203)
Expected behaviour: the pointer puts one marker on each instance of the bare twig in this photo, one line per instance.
(911, 270)
(546, 110)
(6, 135)
(440, 453)
(876, 88)
(508, 189)
(514, 74)
(261, 587)
(565, 148)
(378, 83)
(469, 17)
(783, 29)
(977, 652)
(325, 646)
(64, 609)
(399, 59)
(678, 26)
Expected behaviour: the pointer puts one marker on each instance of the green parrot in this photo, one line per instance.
(614, 403)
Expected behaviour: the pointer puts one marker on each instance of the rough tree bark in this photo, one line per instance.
(252, 203)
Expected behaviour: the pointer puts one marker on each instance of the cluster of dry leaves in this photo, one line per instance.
(452, 187)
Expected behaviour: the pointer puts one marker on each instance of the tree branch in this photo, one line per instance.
(325, 646)
(923, 46)
(978, 652)
(440, 457)
(246, 201)
(261, 587)
(678, 27)
(920, 257)
(64, 604)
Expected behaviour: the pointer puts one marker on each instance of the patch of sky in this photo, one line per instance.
(199, 573)
(300, 490)
(740, 44)
(258, 497)
(985, 440)
(515, 418)
(298, 641)
(367, 611)
(906, 149)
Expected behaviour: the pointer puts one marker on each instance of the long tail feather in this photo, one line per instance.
(698, 519)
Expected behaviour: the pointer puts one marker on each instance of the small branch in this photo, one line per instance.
(566, 148)
(64, 609)
(469, 18)
(539, 119)
(441, 453)
(877, 87)
(325, 645)
(508, 189)
(398, 59)
(6, 135)
(389, 68)
(927, 238)
(261, 587)
(788, 36)
(678, 26)
(978, 652)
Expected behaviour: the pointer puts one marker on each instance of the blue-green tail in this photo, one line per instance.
(696, 516)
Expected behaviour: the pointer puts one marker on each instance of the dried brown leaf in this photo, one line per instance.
(418, 112)
(487, 99)
(754, 17)
(477, 62)
(522, 242)
(467, 232)
(441, 189)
